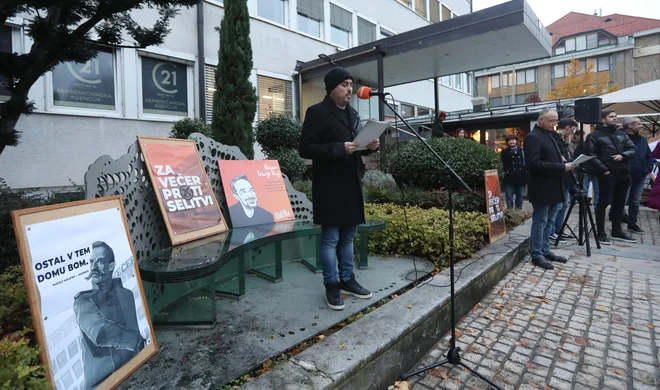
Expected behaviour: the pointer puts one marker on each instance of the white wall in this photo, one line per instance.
(58, 144)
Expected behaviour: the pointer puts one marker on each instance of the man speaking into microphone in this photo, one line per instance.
(327, 139)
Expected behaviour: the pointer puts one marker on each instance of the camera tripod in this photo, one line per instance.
(579, 196)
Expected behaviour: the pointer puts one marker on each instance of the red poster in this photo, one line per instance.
(497, 225)
(255, 192)
(180, 182)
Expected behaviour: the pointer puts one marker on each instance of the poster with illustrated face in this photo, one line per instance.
(86, 296)
(255, 192)
(186, 199)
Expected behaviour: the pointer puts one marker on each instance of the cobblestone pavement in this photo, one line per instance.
(588, 324)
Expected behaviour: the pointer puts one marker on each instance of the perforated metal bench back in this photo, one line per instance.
(128, 177)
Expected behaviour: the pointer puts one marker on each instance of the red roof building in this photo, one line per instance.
(618, 25)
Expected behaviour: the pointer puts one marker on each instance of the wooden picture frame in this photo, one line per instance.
(62, 329)
(181, 222)
(494, 206)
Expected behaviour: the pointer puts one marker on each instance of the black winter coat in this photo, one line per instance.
(515, 172)
(605, 142)
(545, 166)
(337, 176)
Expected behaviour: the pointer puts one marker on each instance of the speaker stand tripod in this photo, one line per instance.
(579, 196)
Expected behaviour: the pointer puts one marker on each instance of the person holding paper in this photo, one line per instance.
(327, 138)
(567, 127)
(545, 185)
(612, 149)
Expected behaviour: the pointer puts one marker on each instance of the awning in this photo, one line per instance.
(504, 34)
(642, 99)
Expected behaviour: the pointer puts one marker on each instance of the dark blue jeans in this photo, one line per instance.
(510, 190)
(337, 251)
(543, 224)
(561, 211)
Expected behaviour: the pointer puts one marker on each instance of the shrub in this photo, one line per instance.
(186, 126)
(374, 177)
(14, 310)
(304, 186)
(20, 366)
(424, 199)
(429, 232)
(278, 132)
(515, 217)
(417, 167)
(290, 163)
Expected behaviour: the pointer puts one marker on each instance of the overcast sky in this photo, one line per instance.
(549, 11)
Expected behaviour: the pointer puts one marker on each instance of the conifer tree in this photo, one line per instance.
(234, 100)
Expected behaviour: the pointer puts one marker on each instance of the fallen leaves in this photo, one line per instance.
(601, 308)
(409, 307)
(342, 346)
(620, 372)
(529, 365)
(581, 341)
(650, 326)
(400, 385)
(509, 323)
(531, 315)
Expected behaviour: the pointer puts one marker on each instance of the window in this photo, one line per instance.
(569, 44)
(495, 81)
(88, 85)
(559, 70)
(73, 349)
(164, 87)
(530, 75)
(520, 98)
(310, 17)
(389, 114)
(274, 96)
(385, 33)
(407, 111)
(581, 43)
(405, 2)
(366, 31)
(446, 13)
(458, 81)
(434, 6)
(341, 25)
(592, 41)
(5, 47)
(469, 83)
(209, 73)
(422, 111)
(603, 40)
(420, 8)
(603, 63)
(271, 10)
(495, 101)
(446, 80)
(520, 77)
(560, 50)
(507, 79)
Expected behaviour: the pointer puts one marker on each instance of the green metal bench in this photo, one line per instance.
(182, 282)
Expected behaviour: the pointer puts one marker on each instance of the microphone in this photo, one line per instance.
(366, 93)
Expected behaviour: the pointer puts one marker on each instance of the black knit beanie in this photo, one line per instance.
(335, 77)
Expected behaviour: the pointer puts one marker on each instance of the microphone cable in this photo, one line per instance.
(426, 280)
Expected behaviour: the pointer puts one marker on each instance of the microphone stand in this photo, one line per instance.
(453, 355)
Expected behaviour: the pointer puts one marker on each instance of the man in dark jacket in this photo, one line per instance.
(327, 138)
(546, 186)
(612, 149)
(567, 127)
(515, 172)
(640, 167)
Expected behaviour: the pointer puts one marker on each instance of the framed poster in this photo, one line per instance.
(497, 225)
(184, 193)
(85, 294)
(255, 192)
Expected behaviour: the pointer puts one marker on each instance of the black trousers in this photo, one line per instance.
(612, 191)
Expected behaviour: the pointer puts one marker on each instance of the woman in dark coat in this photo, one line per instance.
(327, 139)
(515, 172)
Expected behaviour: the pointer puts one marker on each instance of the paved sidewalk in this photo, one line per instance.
(589, 324)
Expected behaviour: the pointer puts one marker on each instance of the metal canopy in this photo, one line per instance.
(504, 34)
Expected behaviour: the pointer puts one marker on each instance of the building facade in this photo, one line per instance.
(624, 50)
(87, 110)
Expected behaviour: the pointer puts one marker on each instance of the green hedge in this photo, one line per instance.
(424, 199)
(429, 232)
(417, 167)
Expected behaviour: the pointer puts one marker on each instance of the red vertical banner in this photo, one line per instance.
(494, 206)
(186, 198)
